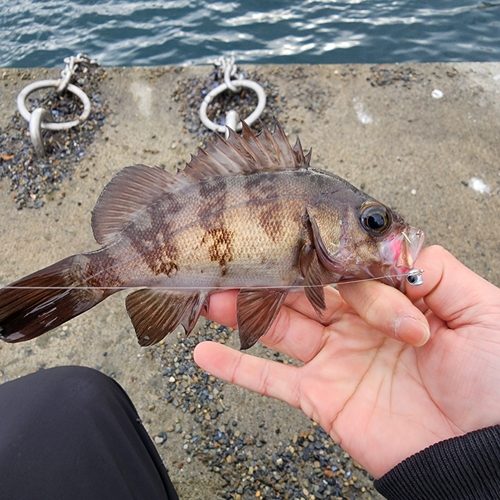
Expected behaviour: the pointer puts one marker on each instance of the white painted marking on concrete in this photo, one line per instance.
(143, 97)
(363, 117)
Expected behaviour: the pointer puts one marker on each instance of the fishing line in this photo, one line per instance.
(414, 273)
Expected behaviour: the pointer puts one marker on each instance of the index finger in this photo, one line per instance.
(294, 332)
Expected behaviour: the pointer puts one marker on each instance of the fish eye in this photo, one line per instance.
(375, 219)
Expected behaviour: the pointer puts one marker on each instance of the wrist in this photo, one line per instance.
(450, 469)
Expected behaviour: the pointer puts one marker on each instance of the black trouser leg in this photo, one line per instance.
(73, 433)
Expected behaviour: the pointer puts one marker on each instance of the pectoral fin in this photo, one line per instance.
(313, 286)
(326, 237)
(256, 309)
(156, 313)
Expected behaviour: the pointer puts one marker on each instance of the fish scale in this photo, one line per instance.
(212, 240)
(246, 213)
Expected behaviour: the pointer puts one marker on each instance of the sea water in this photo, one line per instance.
(184, 32)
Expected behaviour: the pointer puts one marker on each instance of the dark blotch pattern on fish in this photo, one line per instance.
(151, 237)
(164, 256)
(96, 272)
(268, 203)
(213, 195)
(272, 225)
(172, 202)
(167, 267)
(219, 245)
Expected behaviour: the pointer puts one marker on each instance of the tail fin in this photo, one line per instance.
(44, 300)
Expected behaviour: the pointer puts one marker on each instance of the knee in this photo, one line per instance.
(74, 384)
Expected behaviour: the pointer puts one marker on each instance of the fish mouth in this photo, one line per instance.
(400, 254)
(413, 241)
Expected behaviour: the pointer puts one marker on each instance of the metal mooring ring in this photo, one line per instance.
(43, 84)
(38, 117)
(261, 104)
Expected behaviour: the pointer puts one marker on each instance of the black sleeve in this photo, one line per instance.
(466, 467)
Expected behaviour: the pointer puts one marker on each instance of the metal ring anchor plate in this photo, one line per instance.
(43, 84)
(261, 104)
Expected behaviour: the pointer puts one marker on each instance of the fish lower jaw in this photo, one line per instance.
(388, 274)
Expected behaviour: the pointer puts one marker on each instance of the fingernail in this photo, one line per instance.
(412, 331)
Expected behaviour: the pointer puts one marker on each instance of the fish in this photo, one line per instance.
(248, 212)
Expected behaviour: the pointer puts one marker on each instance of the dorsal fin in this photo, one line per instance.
(134, 188)
(247, 153)
(130, 191)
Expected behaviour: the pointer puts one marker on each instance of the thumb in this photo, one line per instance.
(450, 289)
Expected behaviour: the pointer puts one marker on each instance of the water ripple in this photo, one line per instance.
(181, 32)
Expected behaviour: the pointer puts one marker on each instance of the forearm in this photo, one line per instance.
(467, 467)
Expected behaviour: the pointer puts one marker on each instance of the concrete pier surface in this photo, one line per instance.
(422, 138)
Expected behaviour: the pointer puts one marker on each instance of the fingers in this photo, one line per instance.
(455, 294)
(451, 290)
(382, 307)
(222, 308)
(387, 310)
(296, 331)
(295, 335)
(335, 305)
(292, 333)
(259, 375)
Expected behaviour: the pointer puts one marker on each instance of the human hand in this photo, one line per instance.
(381, 399)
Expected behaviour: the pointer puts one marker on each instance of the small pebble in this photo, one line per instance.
(160, 438)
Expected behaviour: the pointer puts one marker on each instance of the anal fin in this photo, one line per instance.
(256, 309)
(156, 313)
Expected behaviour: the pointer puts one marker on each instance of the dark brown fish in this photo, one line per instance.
(247, 212)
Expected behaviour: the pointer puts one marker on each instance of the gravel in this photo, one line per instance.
(308, 466)
(34, 180)
(191, 92)
(389, 76)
